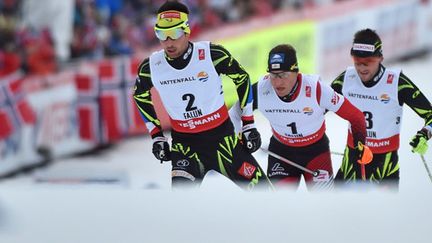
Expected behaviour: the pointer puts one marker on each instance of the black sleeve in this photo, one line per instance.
(411, 95)
(225, 63)
(255, 96)
(337, 84)
(143, 99)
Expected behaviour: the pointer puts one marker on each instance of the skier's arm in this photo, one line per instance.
(143, 99)
(225, 64)
(356, 119)
(411, 95)
(235, 111)
(337, 103)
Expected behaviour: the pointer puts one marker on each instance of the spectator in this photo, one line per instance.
(39, 53)
(10, 60)
(114, 27)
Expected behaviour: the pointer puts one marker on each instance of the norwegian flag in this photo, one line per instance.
(16, 97)
(87, 83)
(88, 121)
(112, 99)
(6, 127)
(6, 119)
(106, 109)
(15, 111)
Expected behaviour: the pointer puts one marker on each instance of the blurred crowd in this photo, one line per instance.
(22, 47)
(104, 28)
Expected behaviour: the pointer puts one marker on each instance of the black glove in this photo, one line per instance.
(251, 138)
(161, 149)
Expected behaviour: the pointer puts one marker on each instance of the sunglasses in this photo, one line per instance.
(281, 75)
(173, 34)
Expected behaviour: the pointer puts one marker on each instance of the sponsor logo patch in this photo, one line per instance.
(308, 91)
(277, 167)
(335, 99)
(247, 170)
(182, 163)
(278, 170)
(363, 47)
(390, 78)
(277, 58)
(201, 54)
(308, 111)
(170, 15)
(203, 76)
(385, 98)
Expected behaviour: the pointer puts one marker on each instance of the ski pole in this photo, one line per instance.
(426, 166)
(314, 173)
(337, 153)
(363, 172)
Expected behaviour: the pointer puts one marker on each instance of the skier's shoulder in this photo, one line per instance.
(144, 67)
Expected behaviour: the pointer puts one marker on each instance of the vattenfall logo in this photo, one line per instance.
(385, 98)
(203, 76)
(308, 111)
(362, 96)
(177, 80)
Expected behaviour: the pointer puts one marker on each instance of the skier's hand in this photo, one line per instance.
(251, 138)
(364, 154)
(419, 142)
(161, 148)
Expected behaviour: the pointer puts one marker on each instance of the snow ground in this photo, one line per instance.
(123, 195)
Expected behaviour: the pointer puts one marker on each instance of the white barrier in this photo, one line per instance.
(18, 121)
(73, 111)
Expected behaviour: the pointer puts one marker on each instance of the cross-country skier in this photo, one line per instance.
(187, 77)
(295, 103)
(379, 92)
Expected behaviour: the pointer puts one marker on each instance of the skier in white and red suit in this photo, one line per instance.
(294, 104)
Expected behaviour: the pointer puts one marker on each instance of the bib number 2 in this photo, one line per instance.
(190, 98)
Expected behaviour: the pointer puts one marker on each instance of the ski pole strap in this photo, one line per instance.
(314, 173)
